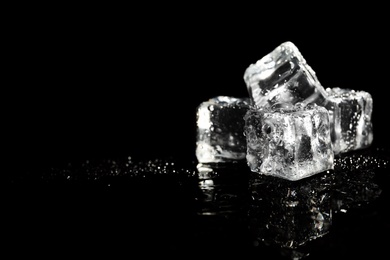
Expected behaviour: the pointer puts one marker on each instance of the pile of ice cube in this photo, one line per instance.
(290, 126)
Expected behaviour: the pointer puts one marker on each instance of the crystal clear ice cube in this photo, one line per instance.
(350, 118)
(283, 76)
(290, 143)
(220, 129)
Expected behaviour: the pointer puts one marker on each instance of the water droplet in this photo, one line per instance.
(267, 129)
(299, 105)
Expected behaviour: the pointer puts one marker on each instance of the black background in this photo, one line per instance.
(97, 82)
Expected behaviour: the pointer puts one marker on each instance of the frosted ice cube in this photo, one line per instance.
(290, 143)
(350, 118)
(220, 129)
(283, 76)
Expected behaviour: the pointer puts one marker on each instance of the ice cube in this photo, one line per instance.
(291, 143)
(220, 129)
(350, 118)
(283, 76)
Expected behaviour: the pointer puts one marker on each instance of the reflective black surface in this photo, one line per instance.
(127, 205)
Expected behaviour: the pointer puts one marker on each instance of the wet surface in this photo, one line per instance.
(178, 208)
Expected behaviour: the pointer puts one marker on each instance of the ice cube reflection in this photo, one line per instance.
(298, 216)
(223, 189)
(290, 214)
(291, 217)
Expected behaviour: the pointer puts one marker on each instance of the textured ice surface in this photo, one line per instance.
(350, 118)
(220, 129)
(290, 143)
(283, 76)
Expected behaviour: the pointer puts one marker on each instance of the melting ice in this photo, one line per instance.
(293, 126)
